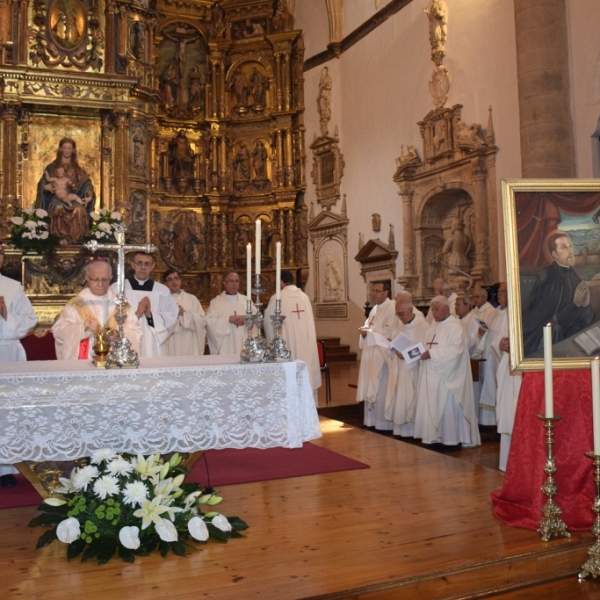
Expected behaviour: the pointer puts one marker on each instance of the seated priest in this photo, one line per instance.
(76, 327)
(188, 335)
(152, 303)
(445, 406)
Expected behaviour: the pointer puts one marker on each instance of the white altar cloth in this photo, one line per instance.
(63, 410)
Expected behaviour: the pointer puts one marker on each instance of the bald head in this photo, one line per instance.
(480, 296)
(440, 308)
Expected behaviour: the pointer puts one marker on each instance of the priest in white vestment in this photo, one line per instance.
(188, 335)
(152, 303)
(225, 322)
(486, 313)
(76, 327)
(509, 382)
(373, 370)
(445, 408)
(298, 329)
(401, 393)
(17, 317)
(442, 288)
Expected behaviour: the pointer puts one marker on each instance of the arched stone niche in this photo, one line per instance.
(450, 226)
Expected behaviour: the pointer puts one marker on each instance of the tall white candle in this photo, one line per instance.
(278, 271)
(248, 270)
(596, 404)
(257, 243)
(548, 371)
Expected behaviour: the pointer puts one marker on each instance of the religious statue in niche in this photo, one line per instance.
(333, 280)
(66, 192)
(259, 84)
(137, 148)
(241, 163)
(181, 240)
(244, 234)
(282, 19)
(259, 161)
(468, 135)
(67, 23)
(376, 222)
(239, 86)
(324, 100)
(248, 29)
(408, 157)
(137, 40)
(455, 250)
(135, 208)
(181, 157)
(196, 89)
(218, 30)
(169, 84)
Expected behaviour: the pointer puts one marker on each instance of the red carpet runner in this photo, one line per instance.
(227, 467)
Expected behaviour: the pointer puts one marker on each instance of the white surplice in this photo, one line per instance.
(225, 337)
(445, 406)
(373, 370)
(401, 393)
(20, 318)
(298, 329)
(164, 315)
(188, 335)
(69, 329)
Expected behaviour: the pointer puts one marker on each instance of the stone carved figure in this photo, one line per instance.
(376, 222)
(456, 248)
(239, 85)
(196, 88)
(334, 280)
(468, 135)
(408, 157)
(324, 100)
(438, 29)
(181, 241)
(282, 19)
(259, 84)
(168, 84)
(241, 163)
(69, 220)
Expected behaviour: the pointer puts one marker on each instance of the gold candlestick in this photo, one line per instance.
(551, 524)
(592, 565)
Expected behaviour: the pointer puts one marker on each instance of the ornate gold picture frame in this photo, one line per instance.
(552, 234)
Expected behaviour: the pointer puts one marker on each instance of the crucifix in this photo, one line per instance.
(121, 354)
(432, 343)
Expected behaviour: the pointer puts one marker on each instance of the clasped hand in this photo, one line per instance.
(582, 294)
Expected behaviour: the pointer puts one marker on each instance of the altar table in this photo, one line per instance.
(63, 410)
(519, 502)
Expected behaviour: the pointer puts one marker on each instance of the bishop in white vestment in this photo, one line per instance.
(298, 329)
(445, 406)
(75, 329)
(188, 335)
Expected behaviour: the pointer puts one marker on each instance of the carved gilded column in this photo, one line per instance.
(289, 171)
(9, 151)
(214, 88)
(278, 82)
(279, 147)
(121, 156)
(287, 93)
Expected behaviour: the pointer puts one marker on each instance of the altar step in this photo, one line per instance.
(337, 352)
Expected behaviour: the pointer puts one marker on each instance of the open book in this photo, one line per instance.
(410, 350)
(589, 341)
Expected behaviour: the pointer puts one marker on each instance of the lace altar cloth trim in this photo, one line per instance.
(63, 410)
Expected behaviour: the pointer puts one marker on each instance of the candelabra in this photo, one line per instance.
(278, 349)
(255, 346)
(592, 565)
(551, 524)
(121, 353)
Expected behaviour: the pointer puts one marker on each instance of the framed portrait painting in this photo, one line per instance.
(552, 234)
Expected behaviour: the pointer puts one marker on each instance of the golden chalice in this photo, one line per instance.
(102, 346)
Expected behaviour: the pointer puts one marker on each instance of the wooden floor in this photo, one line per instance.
(417, 524)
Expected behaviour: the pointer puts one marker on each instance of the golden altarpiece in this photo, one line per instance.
(186, 117)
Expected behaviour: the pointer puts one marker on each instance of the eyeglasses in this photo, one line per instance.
(173, 278)
(101, 280)
(139, 263)
(232, 281)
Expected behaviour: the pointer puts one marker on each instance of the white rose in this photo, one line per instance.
(117, 216)
(95, 215)
(41, 213)
(27, 234)
(68, 530)
(44, 235)
(29, 211)
(129, 537)
(221, 522)
(104, 226)
(166, 531)
(103, 211)
(17, 220)
(30, 224)
(198, 529)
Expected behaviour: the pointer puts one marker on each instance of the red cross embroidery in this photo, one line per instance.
(432, 343)
(297, 311)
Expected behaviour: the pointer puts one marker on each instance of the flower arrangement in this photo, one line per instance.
(30, 230)
(102, 225)
(131, 505)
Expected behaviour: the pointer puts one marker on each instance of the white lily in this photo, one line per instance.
(221, 522)
(150, 512)
(129, 537)
(166, 531)
(68, 530)
(198, 529)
